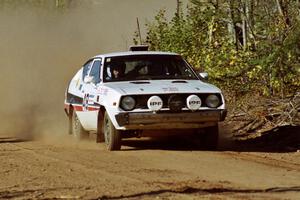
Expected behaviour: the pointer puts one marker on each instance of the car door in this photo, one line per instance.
(89, 114)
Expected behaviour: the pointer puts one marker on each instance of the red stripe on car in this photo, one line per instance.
(78, 108)
(92, 109)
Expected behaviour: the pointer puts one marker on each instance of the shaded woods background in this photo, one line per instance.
(247, 46)
(251, 50)
(43, 44)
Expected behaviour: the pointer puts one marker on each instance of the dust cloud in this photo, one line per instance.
(41, 48)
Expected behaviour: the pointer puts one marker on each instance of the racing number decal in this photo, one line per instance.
(85, 102)
(88, 100)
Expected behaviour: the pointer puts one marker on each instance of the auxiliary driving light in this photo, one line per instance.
(155, 103)
(193, 102)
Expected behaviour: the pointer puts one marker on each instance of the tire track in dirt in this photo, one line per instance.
(112, 177)
(67, 162)
(87, 170)
(46, 156)
(49, 174)
(265, 160)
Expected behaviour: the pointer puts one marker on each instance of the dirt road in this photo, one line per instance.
(60, 168)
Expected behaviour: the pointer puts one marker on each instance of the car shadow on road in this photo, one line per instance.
(161, 143)
(281, 140)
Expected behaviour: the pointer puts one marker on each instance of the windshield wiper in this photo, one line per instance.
(176, 77)
(143, 78)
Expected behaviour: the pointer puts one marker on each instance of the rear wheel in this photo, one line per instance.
(210, 138)
(100, 134)
(112, 136)
(70, 128)
(77, 130)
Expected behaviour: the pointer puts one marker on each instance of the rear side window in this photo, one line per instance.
(86, 68)
(95, 71)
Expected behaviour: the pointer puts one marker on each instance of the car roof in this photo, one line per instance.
(129, 53)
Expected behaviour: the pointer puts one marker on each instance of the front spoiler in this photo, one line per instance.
(150, 120)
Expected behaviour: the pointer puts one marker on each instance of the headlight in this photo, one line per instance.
(212, 101)
(128, 103)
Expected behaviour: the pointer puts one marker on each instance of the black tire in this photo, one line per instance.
(210, 138)
(100, 134)
(70, 127)
(77, 130)
(112, 136)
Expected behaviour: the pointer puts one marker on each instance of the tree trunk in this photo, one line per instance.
(279, 3)
(251, 22)
(178, 7)
(244, 23)
(231, 23)
(211, 30)
(211, 24)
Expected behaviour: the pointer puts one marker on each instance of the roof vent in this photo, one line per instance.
(139, 48)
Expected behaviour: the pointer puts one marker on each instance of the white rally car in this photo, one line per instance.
(132, 93)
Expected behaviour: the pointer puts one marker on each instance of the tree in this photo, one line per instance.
(246, 45)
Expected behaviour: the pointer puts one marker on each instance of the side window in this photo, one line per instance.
(86, 68)
(95, 71)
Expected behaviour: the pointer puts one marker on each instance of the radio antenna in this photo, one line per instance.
(139, 30)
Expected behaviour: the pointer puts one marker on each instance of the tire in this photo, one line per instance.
(112, 136)
(100, 134)
(70, 127)
(210, 138)
(77, 130)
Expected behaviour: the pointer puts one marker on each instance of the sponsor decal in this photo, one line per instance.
(102, 91)
(77, 83)
(80, 87)
(194, 102)
(85, 102)
(170, 89)
(156, 103)
(91, 99)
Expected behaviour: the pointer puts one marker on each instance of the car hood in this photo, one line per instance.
(162, 87)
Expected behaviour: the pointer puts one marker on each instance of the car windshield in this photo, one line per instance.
(146, 67)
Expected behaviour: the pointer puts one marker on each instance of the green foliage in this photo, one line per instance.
(268, 64)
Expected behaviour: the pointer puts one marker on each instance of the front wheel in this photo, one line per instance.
(112, 136)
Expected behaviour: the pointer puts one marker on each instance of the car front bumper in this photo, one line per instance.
(150, 120)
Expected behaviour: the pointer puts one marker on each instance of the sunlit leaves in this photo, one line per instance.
(269, 66)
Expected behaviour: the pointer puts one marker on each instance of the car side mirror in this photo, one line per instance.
(204, 75)
(88, 79)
